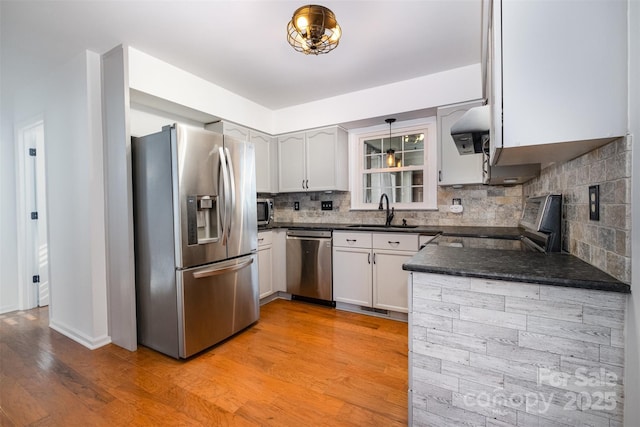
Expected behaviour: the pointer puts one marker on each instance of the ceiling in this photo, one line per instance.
(241, 45)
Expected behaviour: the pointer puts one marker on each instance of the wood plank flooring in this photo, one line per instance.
(300, 365)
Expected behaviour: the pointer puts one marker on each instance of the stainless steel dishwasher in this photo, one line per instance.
(309, 266)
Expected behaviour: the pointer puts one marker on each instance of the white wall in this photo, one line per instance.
(9, 290)
(632, 353)
(448, 87)
(160, 79)
(152, 76)
(69, 100)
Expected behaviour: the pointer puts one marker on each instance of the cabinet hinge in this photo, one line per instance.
(32, 152)
(34, 215)
(36, 278)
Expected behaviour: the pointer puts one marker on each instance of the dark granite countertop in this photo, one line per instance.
(462, 231)
(555, 269)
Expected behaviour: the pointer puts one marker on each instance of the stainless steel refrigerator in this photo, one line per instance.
(195, 231)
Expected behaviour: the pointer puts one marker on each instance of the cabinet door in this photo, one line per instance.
(390, 280)
(291, 164)
(231, 129)
(265, 270)
(352, 275)
(551, 86)
(279, 260)
(266, 162)
(321, 159)
(454, 168)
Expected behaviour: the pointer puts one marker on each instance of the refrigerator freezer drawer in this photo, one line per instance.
(218, 300)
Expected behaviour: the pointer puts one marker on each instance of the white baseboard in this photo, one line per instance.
(90, 342)
(8, 309)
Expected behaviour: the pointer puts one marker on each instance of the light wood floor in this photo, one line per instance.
(300, 365)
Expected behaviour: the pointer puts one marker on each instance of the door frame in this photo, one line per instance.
(26, 176)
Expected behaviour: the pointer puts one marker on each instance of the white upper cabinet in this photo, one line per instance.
(454, 168)
(231, 129)
(266, 153)
(557, 75)
(314, 160)
(266, 162)
(291, 164)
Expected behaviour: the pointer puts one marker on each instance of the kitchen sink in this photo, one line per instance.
(381, 226)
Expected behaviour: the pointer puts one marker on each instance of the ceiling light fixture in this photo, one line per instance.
(391, 154)
(313, 30)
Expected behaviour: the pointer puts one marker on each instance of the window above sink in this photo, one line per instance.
(402, 165)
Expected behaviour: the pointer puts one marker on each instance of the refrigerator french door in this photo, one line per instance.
(195, 237)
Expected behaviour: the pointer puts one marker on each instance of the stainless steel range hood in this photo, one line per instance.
(471, 131)
(471, 135)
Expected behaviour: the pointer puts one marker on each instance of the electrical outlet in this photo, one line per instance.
(326, 206)
(296, 206)
(594, 203)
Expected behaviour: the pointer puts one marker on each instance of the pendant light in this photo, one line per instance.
(391, 154)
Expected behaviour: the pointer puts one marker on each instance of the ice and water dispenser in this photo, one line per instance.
(202, 219)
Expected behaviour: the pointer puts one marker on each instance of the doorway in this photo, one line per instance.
(33, 248)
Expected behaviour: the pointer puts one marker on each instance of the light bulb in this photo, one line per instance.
(302, 23)
(336, 34)
(391, 158)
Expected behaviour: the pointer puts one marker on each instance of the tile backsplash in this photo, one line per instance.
(606, 243)
(494, 206)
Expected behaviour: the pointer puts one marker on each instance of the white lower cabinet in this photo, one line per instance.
(390, 280)
(352, 276)
(265, 263)
(367, 269)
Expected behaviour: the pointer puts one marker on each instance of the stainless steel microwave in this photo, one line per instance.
(265, 211)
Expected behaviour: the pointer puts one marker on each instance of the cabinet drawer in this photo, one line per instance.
(265, 238)
(352, 240)
(396, 241)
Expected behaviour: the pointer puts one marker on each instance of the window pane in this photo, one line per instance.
(413, 149)
(413, 158)
(410, 194)
(372, 146)
(366, 196)
(395, 144)
(374, 161)
(413, 142)
(373, 154)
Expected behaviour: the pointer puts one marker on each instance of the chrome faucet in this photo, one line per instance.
(389, 214)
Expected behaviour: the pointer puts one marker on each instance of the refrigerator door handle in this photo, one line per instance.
(232, 185)
(216, 271)
(225, 186)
